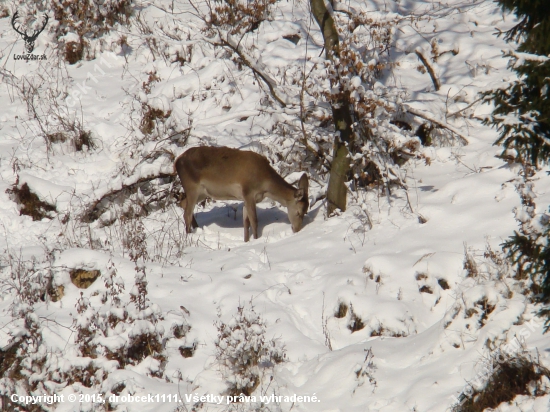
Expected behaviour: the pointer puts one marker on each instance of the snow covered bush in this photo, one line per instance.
(116, 335)
(108, 335)
(83, 21)
(23, 358)
(528, 250)
(487, 289)
(237, 16)
(29, 202)
(45, 93)
(509, 375)
(243, 353)
(79, 24)
(145, 335)
(378, 146)
(521, 116)
(97, 342)
(151, 116)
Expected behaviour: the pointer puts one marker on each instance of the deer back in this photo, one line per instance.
(217, 167)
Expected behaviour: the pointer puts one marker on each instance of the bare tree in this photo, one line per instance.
(341, 114)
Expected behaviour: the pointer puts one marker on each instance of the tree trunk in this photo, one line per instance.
(337, 191)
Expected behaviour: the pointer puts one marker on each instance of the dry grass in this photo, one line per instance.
(355, 323)
(342, 311)
(443, 283)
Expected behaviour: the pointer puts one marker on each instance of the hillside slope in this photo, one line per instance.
(393, 305)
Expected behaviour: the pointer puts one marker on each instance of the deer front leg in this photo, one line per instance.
(183, 205)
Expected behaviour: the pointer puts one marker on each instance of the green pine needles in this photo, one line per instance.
(534, 26)
(522, 118)
(522, 109)
(530, 254)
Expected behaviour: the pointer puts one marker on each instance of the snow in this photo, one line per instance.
(426, 348)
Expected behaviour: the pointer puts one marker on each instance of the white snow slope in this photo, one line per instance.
(426, 346)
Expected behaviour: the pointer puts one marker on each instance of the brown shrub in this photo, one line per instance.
(74, 51)
(89, 20)
(150, 116)
(30, 203)
(516, 375)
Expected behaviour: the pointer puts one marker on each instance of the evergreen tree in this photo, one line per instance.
(522, 117)
(534, 25)
(522, 109)
(531, 255)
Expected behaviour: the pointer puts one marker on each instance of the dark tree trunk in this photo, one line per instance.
(337, 191)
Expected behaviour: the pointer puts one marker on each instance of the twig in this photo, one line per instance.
(257, 71)
(429, 67)
(466, 108)
(430, 118)
(324, 325)
(302, 108)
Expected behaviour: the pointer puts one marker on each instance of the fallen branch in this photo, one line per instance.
(429, 67)
(430, 118)
(95, 210)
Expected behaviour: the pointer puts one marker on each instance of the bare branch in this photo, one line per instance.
(466, 108)
(429, 67)
(430, 118)
(248, 62)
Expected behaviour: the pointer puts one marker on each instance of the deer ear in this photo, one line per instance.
(303, 184)
(299, 194)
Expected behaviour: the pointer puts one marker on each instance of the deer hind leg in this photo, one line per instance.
(188, 205)
(250, 219)
(246, 225)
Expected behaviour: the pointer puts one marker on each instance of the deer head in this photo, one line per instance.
(29, 39)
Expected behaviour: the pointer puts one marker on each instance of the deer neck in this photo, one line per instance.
(280, 190)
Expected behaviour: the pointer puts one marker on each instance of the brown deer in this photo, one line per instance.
(222, 173)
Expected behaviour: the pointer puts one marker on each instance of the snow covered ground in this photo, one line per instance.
(428, 330)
